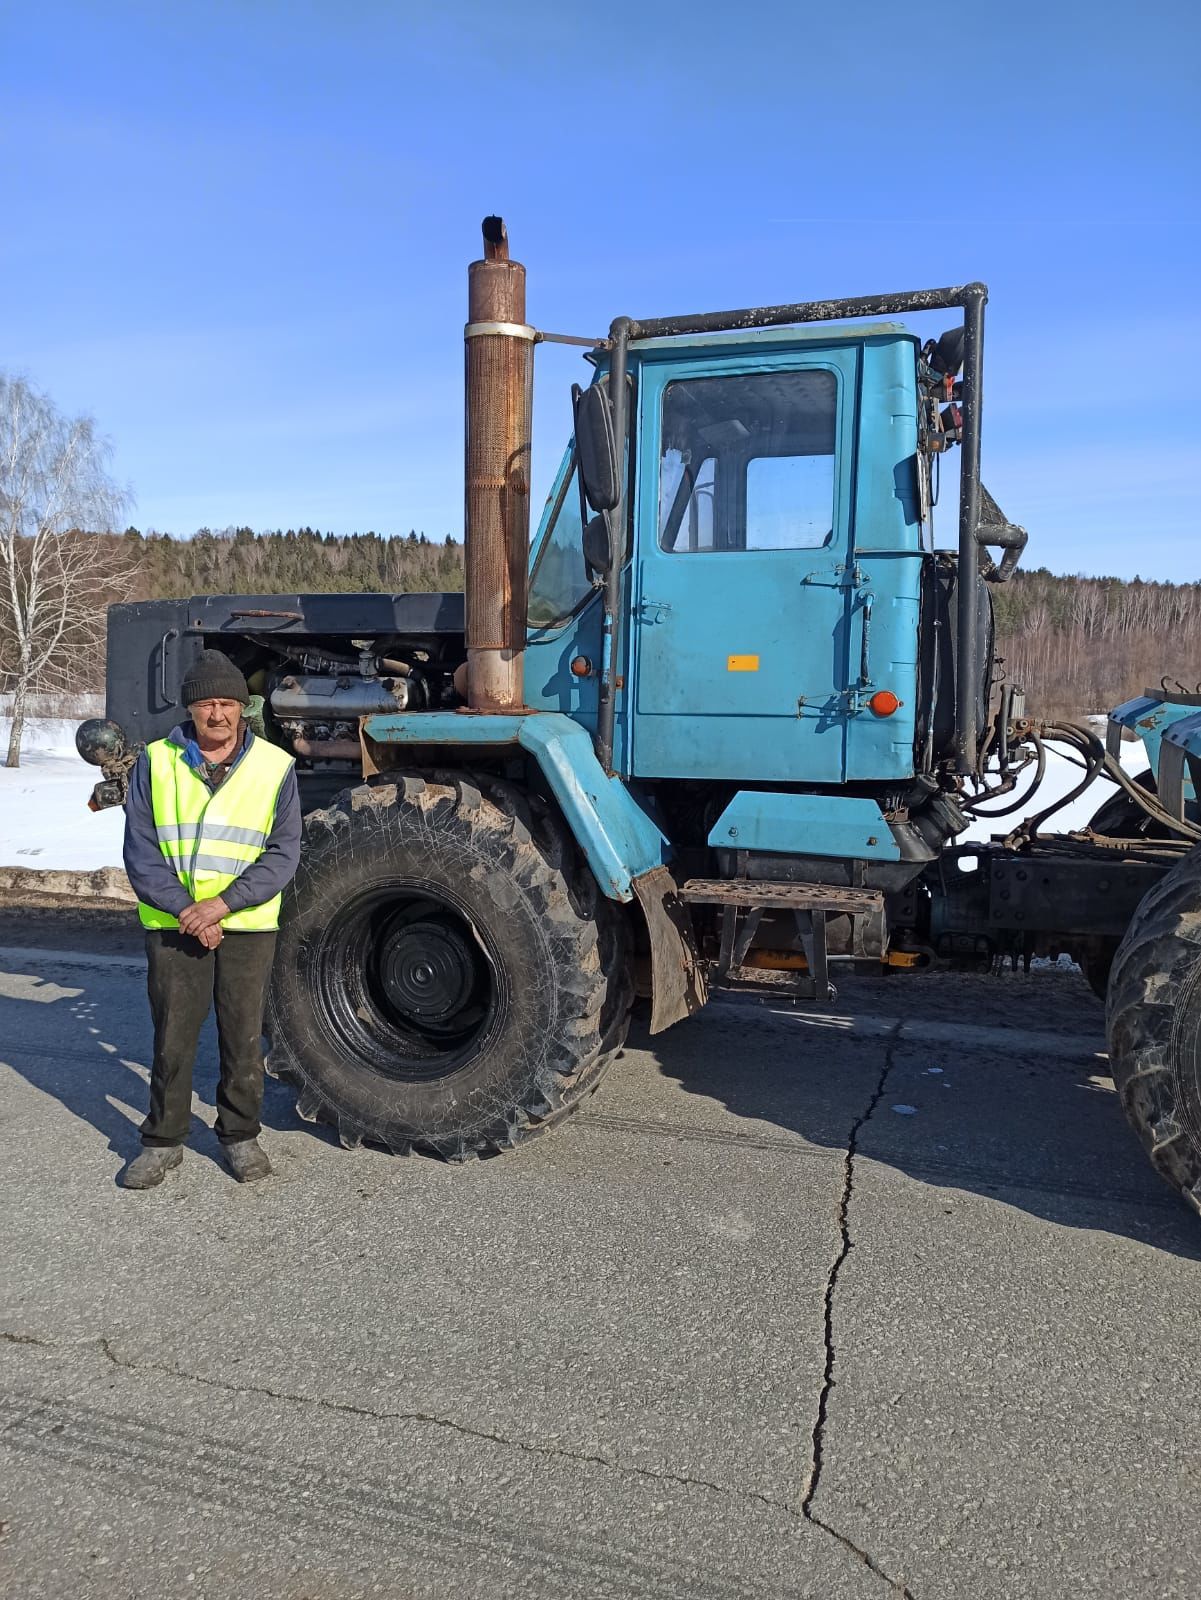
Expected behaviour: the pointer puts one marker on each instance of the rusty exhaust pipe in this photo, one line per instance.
(499, 384)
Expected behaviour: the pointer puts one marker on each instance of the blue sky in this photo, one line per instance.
(237, 233)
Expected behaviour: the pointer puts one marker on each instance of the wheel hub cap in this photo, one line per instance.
(429, 970)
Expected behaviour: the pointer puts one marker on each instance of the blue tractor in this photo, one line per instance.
(717, 728)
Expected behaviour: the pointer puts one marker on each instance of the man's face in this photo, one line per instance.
(216, 720)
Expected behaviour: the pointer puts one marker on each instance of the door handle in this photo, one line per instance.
(865, 672)
(652, 611)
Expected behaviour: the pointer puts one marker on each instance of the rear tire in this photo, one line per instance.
(1096, 963)
(1154, 1026)
(1119, 818)
(447, 978)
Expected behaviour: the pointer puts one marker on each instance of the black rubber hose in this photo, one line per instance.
(1024, 799)
(1099, 760)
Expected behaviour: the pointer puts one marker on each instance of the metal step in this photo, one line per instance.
(780, 896)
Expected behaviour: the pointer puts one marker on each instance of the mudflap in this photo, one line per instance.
(678, 984)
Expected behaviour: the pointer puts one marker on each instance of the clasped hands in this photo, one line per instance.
(202, 920)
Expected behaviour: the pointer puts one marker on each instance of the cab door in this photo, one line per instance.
(745, 585)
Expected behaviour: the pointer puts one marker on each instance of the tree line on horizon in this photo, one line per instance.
(1077, 645)
(1080, 645)
(287, 561)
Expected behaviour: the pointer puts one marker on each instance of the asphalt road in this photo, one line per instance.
(801, 1304)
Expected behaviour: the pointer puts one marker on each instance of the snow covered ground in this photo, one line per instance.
(44, 816)
(45, 822)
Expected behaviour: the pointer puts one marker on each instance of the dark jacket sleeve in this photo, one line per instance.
(276, 867)
(148, 870)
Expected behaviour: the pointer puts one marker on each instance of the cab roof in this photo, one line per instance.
(797, 333)
(807, 333)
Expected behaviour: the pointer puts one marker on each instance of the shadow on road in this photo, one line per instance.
(74, 1036)
(998, 1087)
(995, 1086)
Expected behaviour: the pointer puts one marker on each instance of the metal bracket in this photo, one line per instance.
(507, 330)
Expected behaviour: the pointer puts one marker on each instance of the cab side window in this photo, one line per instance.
(748, 462)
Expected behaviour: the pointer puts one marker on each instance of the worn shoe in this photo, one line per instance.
(149, 1169)
(247, 1160)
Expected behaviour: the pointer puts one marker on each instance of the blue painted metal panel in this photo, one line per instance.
(828, 626)
(618, 838)
(805, 824)
(755, 339)
(550, 685)
(804, 712)
(1185, 734)
(1151, 719)
(888, 555)
(787, 609)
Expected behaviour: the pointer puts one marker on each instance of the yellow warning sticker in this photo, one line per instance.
(742, 663)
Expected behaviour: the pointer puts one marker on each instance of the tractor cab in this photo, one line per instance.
(772, 589)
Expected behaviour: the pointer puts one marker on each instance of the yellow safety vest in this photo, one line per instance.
(211, 838)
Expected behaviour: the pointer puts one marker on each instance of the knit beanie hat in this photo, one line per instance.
(213, 676)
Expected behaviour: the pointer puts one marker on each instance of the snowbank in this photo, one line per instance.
(44, 816)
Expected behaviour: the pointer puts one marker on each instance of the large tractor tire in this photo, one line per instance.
(448, 977)
(1119, 818)
(1154, 1025)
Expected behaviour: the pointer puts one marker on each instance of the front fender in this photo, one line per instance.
(619, 840)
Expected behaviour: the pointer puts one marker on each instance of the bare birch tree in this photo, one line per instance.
(55, 578)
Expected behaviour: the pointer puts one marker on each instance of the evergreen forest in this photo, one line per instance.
(1077, 645)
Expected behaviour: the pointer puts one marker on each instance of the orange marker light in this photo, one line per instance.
(883, 703)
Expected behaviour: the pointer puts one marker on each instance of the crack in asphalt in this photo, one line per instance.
(432, 1419)
(846, 1244)
(804, 1511)
(105, 1346)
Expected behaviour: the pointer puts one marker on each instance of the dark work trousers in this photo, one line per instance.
(184, 979)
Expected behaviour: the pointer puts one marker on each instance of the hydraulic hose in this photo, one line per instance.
(1097, 760)
(1084, 742)
(1040, 768)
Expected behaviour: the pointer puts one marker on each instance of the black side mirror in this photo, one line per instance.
(947, 355)
(596, 448)
(598, 546)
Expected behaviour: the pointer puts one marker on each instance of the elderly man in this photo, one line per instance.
(212, 838)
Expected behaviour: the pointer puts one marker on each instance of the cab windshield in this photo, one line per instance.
(559, 583)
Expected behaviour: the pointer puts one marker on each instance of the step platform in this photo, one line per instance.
(742, 902)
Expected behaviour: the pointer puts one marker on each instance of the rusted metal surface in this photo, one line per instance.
(780, 896)
(286, 616)
(328, 749)
(872, 305)
(499, 390)
(678, 981)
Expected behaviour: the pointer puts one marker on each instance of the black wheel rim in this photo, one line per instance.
(403, 979)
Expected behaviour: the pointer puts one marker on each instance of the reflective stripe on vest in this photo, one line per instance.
(211, 838)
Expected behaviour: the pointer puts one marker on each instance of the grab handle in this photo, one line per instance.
(168, 702)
